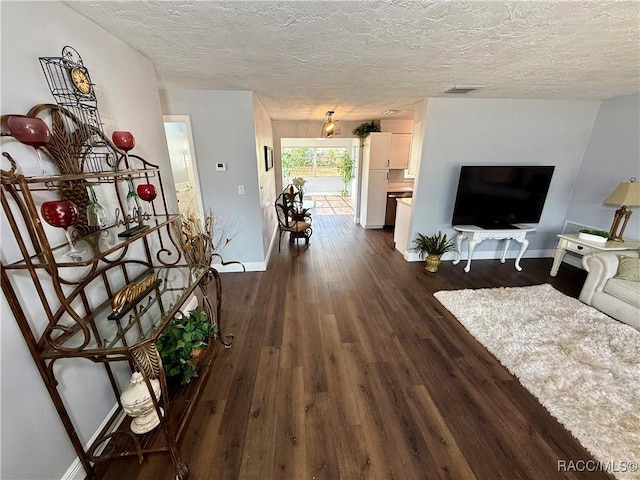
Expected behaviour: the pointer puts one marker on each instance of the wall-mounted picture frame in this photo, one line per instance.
(268, 157)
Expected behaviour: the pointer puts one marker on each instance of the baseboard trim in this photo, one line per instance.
(76, 470)
(250, 266)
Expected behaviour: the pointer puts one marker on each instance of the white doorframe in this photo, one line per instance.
(186, 120)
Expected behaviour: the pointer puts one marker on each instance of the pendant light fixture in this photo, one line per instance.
(330, 127)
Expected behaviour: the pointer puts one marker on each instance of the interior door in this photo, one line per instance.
(183, 164)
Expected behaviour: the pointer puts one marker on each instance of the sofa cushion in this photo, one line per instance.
(628, 268)
(625, 290)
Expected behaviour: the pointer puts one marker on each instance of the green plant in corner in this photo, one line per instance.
(363, 130)
(599, 233)
(182, 341)
(434, 246)
(345, 168)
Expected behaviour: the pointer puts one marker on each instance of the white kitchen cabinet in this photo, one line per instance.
(373, 204)
(376, 151)
(400, 150)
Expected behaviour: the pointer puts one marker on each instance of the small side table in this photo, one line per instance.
(571, 242)
(475, 235)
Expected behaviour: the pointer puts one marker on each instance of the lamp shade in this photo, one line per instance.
(627, 193)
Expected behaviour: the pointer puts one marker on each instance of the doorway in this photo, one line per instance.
(318, 162)
(177, 129)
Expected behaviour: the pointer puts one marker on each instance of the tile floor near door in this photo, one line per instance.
(333, 205)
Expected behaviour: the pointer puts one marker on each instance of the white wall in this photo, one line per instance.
(518, 132)
(34, 443)
(266, 179)
(223, 128)
(613, 156)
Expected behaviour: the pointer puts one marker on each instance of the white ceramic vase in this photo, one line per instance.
(137, 403)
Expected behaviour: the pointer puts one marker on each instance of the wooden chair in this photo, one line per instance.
(289, 221)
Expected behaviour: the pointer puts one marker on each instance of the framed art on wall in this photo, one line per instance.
(268, 157)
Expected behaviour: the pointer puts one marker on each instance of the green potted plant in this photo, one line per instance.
(363, 130)
(182, 342)
(598, 236)
(345, 168)
(433, 246)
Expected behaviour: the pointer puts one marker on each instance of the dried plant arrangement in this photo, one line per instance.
(202, 239)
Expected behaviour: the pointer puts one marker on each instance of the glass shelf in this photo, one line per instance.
(96, 245)
(53, 179)
(144, 321)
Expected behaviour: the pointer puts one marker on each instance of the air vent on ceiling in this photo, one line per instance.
(459, 89)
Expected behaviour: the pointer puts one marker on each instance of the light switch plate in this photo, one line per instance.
(221, 167)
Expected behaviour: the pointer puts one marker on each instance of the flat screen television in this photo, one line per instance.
(496, 197)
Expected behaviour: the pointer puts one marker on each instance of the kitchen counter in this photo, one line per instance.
(401, 230)
(399, 187)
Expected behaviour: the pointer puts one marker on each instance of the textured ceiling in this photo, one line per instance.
(360, 58)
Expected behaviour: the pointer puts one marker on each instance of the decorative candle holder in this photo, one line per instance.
(137, 403)
(63, 214)
(124, 141)
(31, 131)
(147, 192)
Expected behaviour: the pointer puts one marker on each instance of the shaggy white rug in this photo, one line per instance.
(583, 366)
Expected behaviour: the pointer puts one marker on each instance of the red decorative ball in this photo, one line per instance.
(146, 191)
(60, 213)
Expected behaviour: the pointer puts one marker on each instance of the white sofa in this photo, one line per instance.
(617, 298)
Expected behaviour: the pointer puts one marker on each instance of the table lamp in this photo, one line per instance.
(626, 195)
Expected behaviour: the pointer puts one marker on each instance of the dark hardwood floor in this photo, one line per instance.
(344, 366)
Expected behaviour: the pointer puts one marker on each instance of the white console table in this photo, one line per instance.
(571, 242)
(474, 235)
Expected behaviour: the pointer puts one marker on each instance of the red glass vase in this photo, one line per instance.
(63, 214)
(123, 140)
(147, 191)
(31, 131)
(60, 213)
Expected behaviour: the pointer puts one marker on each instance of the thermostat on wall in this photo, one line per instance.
(221, 167)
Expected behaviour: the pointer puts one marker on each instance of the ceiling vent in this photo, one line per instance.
(460, 89)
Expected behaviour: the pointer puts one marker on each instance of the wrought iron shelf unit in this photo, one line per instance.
(71, 319)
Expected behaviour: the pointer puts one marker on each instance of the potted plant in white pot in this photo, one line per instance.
(592, 235)
(433, 246)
